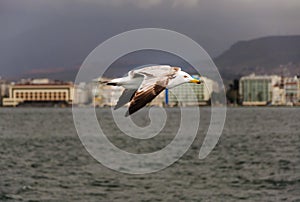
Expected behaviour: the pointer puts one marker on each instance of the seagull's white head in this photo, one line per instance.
(181, 78)
(186, 78)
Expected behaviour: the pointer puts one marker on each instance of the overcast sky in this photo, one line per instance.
(55, 35)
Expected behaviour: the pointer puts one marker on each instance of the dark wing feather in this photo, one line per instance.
(155, 81)
(144, 96)
(126, 97)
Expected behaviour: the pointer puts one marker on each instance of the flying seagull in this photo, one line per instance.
(143, 85)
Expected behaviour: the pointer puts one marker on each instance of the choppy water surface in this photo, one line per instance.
(256, 159)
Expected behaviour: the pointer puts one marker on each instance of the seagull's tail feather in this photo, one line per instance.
(111, 84)
(115, 82)
(102, 82)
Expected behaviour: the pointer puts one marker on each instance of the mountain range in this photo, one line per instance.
(268, 55)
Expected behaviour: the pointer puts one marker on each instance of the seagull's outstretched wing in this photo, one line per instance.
(126, 97)
(155, 81)
(157, 71)
(146, 93)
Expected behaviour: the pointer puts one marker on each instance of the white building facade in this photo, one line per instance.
(191, 94)
(39, 92)
(260, 90)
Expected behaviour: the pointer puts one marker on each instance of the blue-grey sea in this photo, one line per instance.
(256, 159)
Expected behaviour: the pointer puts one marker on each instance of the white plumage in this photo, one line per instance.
(143, 85)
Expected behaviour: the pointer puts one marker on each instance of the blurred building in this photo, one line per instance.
(107, 95)
(82, 94)
(4, 85)
(278, 95)
(292, 90)
(191, 94)
(39, 91)
(260, 90)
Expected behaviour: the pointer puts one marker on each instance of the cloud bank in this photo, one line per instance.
(42, 34)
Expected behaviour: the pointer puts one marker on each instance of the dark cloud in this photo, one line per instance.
(42, 34)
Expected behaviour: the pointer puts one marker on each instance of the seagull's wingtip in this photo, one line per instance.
(127, 114)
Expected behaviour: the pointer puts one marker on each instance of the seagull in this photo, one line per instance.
(143, 85)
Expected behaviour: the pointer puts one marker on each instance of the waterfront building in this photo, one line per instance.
(3, 89)
(105, 95)
(190, 94)
(258, 90)
(292, 90)
(278, 95)
(82, 94)
(39, 91)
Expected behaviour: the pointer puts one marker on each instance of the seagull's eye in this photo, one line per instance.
(185, 76)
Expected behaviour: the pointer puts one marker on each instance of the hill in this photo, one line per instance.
(267, 55)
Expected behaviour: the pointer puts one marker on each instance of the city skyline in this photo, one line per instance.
(250, 90)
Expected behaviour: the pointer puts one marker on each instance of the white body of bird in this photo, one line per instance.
(143, 85)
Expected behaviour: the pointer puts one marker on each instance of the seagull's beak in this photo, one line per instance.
(195, 81)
